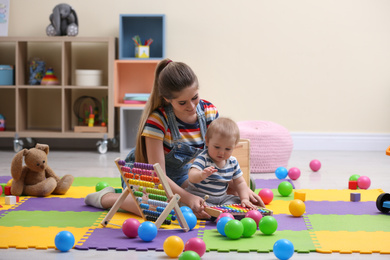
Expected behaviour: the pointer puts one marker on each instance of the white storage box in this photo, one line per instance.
(88, 77)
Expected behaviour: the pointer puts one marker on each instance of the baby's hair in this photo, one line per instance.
(171, 77)
(224, 126)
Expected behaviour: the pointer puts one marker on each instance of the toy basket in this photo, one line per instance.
(270, 145)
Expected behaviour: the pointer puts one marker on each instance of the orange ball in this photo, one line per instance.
(297, 207)
(173, 246)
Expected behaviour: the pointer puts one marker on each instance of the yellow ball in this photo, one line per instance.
(9, 183)
(173, 246)
(297, 207)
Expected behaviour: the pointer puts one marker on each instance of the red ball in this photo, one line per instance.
(294, 173)
(266, 195)
(315, 165)
(130, 227)
(195, 244)
(225, 214)
(255, 215)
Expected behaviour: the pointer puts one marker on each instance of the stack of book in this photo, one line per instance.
(136, 98)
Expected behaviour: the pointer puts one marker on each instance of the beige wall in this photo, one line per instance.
(312, 66)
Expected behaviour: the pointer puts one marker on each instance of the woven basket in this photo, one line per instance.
(270, 145)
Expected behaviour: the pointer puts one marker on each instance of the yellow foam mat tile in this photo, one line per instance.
(7, 207)
(76, 192)
(340, 195)
(279, 206)
(35, 237)
(353, 242)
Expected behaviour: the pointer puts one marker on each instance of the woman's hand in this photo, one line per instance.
(197, 205)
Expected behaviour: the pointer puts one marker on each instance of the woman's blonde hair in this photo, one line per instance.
(224, 126)
(170, 78)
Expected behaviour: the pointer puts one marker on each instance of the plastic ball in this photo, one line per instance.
(266, 195)
(225, 214)
(130, 227)
(189, 255)
(147, 231)
(186, 209)
(197, 245)
(101, 185)
(285, 188)
(281, 173)
(1, 190)
(364, 182)
(173, 246)
(9, 183)
(268, 225)
(315, 165)
(255, 215)
(221, 225)
(191, 219)
(297, 207)
(294, 173)
(234, 229)
(64, 241)
(250, 227)
(354, 177)
(283, 249)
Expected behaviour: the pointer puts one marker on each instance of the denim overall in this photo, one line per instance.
(177, 160)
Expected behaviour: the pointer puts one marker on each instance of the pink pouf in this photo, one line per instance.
(270, 145)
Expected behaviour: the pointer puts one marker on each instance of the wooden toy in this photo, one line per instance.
(149, 187)
(10, 200)
(355, 197)
(237, 210)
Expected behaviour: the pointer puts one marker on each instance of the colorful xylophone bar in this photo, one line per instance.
(237, 210)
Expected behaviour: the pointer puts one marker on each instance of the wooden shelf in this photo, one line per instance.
(47, 111)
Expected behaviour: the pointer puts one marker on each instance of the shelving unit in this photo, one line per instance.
(39, 111)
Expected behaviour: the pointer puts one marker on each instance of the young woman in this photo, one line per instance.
(171, 132)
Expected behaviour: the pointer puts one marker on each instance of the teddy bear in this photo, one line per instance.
(36, 178)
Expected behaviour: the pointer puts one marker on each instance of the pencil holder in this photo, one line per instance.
(142, 51)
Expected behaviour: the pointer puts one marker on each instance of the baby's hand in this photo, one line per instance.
(208, 171)
(247, 204)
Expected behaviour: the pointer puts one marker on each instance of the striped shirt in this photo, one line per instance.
(157, 127)
(217, 183)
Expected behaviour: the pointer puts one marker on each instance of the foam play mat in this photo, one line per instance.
(331, 223)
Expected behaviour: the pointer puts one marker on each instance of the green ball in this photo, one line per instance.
(285, 188)
(189, 255)
(354, 177)
(250, 227)
(268, 225)
(234, 229)
(101, 185)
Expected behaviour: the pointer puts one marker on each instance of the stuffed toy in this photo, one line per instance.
(36, 178)
(63, 21)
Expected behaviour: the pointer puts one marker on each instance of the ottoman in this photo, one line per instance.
(270, 145)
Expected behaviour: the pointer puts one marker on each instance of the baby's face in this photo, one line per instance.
(220, 148)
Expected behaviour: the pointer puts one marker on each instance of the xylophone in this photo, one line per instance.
(154, 198)
(237, 210)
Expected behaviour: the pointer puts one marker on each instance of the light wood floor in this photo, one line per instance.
(336, 168)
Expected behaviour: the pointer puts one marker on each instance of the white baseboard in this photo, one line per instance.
(341, 141)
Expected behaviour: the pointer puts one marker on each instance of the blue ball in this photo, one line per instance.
(221, 225)
(281, 173)
(64, 241)
(147, 231)
(191, 219)
(186, 209)
(283, 249)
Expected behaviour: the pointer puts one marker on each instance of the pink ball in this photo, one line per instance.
(315, 165)
(255, 215)
(266, 195)
(130, 227)
(294, 173)
(195, 244)
(363, 182)
(1, 190)
(225, 214)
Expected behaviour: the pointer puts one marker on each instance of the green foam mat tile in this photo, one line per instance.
(351, 223)
(92, 181)
(258, 242)
(50, 219)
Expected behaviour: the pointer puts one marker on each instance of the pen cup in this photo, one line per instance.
(142, 51)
